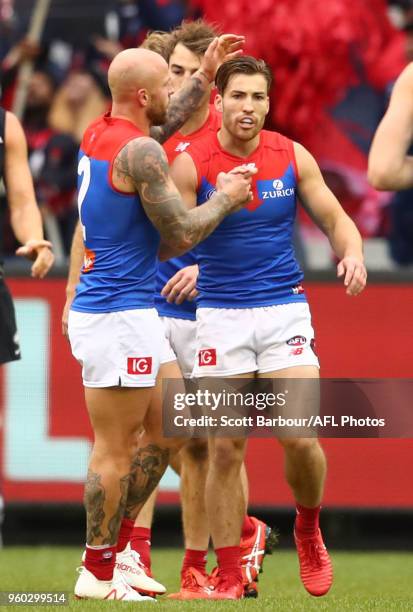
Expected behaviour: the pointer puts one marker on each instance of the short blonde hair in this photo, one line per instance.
(158, 42)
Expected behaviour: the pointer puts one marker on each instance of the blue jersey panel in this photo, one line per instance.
(121, 245)
(167, 269)
(249, 260)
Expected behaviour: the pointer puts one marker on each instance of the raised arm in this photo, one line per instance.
(144, 162)
(184, 102)
(326, 211)
(25, 216)
(390, 167)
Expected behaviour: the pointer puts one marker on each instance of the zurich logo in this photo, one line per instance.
(278, 185)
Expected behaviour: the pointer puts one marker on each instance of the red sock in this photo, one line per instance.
(101, 561)
(196, 559)
(306, 521)
(229, 561)
(125, 532)
(248, 528)
(140, 541)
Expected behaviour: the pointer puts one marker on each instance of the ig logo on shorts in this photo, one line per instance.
(139, 365)
(207, 357)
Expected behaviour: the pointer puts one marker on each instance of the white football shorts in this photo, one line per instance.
(117, 348)
(234, 341)
(181, 343)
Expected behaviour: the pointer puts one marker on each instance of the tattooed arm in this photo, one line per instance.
(143, 162)
(190, 97)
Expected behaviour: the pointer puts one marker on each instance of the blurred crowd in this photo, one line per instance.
(67, 89)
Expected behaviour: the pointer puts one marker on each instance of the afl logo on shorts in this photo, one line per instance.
(297, 341)
(207, 357)
(139, 365)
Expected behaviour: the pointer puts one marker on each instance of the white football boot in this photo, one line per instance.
(129, 565)
(89, 587)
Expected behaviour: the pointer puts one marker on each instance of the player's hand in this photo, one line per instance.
(246, 170)
(181, 286)
(237, 186)
(355, 274)
(221, 49)
(39, 252)
(65, 314)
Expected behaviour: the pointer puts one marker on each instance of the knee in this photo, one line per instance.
(227, 455)
(117, 448)
(300, 445)
(195, 451)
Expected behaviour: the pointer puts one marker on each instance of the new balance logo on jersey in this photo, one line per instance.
(207, 357)
(182, 146)
(274, 188)
(139, 365)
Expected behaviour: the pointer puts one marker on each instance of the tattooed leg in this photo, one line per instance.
(94, 499)
(148, 467)
(116, 416)
(154, 451)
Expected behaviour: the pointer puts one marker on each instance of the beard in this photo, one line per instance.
(157, 114)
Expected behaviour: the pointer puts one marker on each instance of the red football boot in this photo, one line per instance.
(316, 569)
(226, 587)
(194, 585)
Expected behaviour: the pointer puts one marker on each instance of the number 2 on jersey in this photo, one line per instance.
(83, 170)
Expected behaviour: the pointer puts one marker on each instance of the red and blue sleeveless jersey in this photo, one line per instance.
(121, 244)
(249, 261)
(178, 143)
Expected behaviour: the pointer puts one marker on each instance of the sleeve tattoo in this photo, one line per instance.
(181, 107)
(145, 162)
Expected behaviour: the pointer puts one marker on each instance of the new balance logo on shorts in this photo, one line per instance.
(139, 365)
(207, 357)
(298, 342)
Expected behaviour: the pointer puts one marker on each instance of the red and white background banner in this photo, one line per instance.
(45, 438)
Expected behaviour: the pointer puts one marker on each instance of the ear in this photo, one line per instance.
(143, 97)
(268, 105)
(218, 102)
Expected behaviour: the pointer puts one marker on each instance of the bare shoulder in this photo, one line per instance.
(141, 160)
(306, 163)
(183, 169)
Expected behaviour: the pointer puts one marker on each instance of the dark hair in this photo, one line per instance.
(246, 64)
(194, 35)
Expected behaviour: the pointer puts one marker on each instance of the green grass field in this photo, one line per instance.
(363, 581)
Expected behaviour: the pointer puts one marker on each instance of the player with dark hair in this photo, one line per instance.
(251, 303)
(186, 46)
